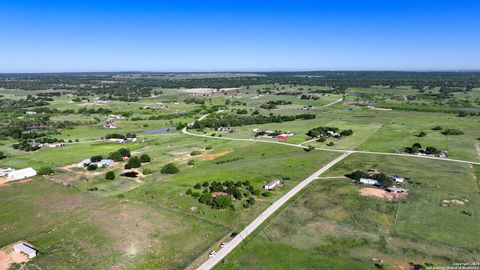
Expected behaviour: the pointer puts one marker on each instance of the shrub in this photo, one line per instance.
(45, 171)
(92, 167)
(127, 166)
(191, 162)
(309, 148)
(134, 162)
(222, 202)
(2, 155)
(189, 192)
(437, 128)
(144, 158)
(169, 168)
(330, 144)
(356, 175)
(452, 131)
(205, 184)
(197, 186)
(208, 147)
(124, 152)
(196, 153)
(421, 134)
(115, 156)
(147, 171)
(346, 132)
(96, 158)
(267, 194)
(196, 194)
(110, 175)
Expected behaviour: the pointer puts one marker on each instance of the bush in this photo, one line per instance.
(196, 194)
(197, 186)
(205, 184)
(92, 167)
(2, 155)
(346, 132)
(267, 194)
(330, 144)
(208, 147)
(189, 192)
(437, 128)
(124, 152)
(170, 168)
(134, 162)
(222, 202)
(96, 158)
(110, 175)
(191, 162)
(309, 148)
(452, 131)
(45, 171)
(421, 134)
(356, 175)
(115, 156)
(147, 171)
(144, 158)
(127, 166)
(196, 153)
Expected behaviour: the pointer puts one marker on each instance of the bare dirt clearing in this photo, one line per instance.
(380, 193)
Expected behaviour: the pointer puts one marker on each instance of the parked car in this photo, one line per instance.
(223, 244)
(211, 254)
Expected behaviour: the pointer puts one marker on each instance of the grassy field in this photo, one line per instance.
(330, 226)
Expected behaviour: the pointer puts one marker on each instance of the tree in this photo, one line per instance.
(416, 147)
(144, 158)
(110, 175)
(437, 128)
(452, 131)
(92, 167)
(205, 184)
(96, 158)
(346, 132)
(421, 134)
(45, 171)
(205, 198)
(384, 179)
(124, 152)
(222, 202)
(169, 168)
(189, 192)
(115, 156)
(134, 162)
(356, 175)
(191, 162)
(147, 171)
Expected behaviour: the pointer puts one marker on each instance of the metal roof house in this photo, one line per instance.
(396, 190)
(272, 184)
(368, 181)
(397, 179)
(21, 174)
(104, 163)
(24, 249)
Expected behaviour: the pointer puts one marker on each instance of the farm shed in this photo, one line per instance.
(272, 184)
(24, 249)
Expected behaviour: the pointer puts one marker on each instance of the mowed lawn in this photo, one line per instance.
(76, 230)
(330, 226)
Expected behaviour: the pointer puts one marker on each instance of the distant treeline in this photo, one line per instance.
(231, 120)
(134, 85)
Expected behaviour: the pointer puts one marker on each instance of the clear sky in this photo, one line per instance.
(229, 35)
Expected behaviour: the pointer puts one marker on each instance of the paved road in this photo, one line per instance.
(211, 262)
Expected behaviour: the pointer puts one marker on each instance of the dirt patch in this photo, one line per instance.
(60, 203)
(8, 257)
(458, 202)
(380, 193)
(211, 156)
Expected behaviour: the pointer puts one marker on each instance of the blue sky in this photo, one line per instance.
(123, 35)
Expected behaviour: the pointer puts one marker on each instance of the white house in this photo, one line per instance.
(21, 174)
(31, 112)
(116, 140)
(24, 249)
(368, 181)
(272, 184)
(5, 172)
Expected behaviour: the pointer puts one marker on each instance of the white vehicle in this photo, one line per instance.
(223, 244)
(211, 254)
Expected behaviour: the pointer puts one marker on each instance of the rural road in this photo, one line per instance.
(335, 102)
(230, 246)
(185, 131)
(211, 262)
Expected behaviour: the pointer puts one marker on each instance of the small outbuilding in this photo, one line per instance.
(397, 179)
(272, 184)
(21, 174)
(25, 250)
(396, 190)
